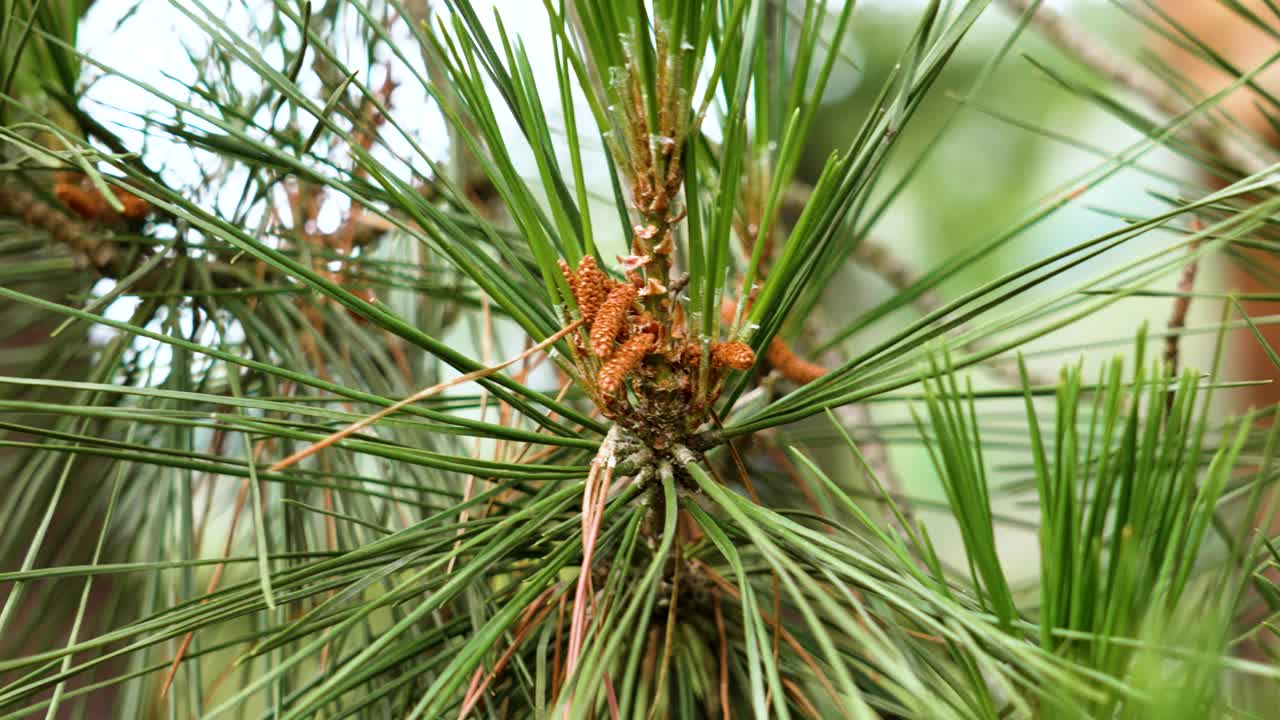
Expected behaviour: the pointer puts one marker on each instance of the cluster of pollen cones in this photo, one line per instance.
(621, 333)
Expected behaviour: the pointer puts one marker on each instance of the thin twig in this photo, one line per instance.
(241, 494)
(486, 355)
(878, 258)
(801, 699)
(1181, 305)
(668, 637)
(721, 583)
(533, 615)
(724, 656)
(417, 397)
(213, 585)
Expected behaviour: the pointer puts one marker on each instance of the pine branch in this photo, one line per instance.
(88, 246)
(95, 250)
(1088, 50)
(878, 258)
(1080, 44)
(1181, 306)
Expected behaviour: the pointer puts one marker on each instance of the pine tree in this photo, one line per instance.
(557, 410)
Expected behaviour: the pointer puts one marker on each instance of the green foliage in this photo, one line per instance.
(265, 465)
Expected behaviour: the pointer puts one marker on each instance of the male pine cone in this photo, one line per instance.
(735, 355)
(623, 362)
(609, 318)
(590, 287)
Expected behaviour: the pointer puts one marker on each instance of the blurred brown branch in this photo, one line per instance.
(1078, 43)
(877, 257)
